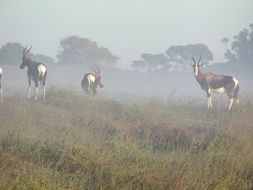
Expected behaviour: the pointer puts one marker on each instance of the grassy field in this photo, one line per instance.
(74, 142)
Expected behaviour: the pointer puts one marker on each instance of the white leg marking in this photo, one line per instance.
(1, 95)
(29, 92)
(231, 103)
(210, 99)
(36, 93)
(209, 103)
(44, 92)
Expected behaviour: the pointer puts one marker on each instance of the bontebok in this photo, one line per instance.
(217, 83)
(1, 90)
(91, 81)
(36, 72)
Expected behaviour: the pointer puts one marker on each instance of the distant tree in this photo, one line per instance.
(241, 52)
(11, 53)
(83, 51)
(176, 60)
(183, 54)
(155, 61)
(139, 65)
(151, 62)
(44, 59)
(230, 56)
(225, 41)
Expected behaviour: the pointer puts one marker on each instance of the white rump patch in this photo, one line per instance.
(1, 71)
(91, 78)
(219, 90)
(42, 70)
(236, 83)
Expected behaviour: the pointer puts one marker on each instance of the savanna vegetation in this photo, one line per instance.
(75, 142)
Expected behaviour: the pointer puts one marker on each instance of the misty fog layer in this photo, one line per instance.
(118, 83)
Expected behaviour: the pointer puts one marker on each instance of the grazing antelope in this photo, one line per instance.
(1, 90)
(36, 72)
(91, 81)
(217, 83)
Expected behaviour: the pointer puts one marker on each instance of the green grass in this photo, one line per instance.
(75, 142)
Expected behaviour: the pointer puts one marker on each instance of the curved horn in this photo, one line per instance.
(29, 49)
(98, 70)
(24, 50)
(193, 59)
(94, 70)
(199, 59)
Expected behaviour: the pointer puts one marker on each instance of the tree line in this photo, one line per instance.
(75, 50)
(174, 58)
(238, 55)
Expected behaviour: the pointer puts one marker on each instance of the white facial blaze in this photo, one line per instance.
(42, 70)
(196, 70)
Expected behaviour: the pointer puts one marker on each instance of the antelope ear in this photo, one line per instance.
(189, 62)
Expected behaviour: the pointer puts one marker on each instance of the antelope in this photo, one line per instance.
(91, 81)
(211, 82)
(36, 72)
(1, 90)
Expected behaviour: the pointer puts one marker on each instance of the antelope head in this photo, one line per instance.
(97, 75)
(26, 58)
(196, 65)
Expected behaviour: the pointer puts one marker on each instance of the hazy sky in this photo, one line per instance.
(127, 27)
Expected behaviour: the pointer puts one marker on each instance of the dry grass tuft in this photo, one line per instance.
(76, 142)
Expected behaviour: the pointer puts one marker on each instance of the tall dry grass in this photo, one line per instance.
(75, 142)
